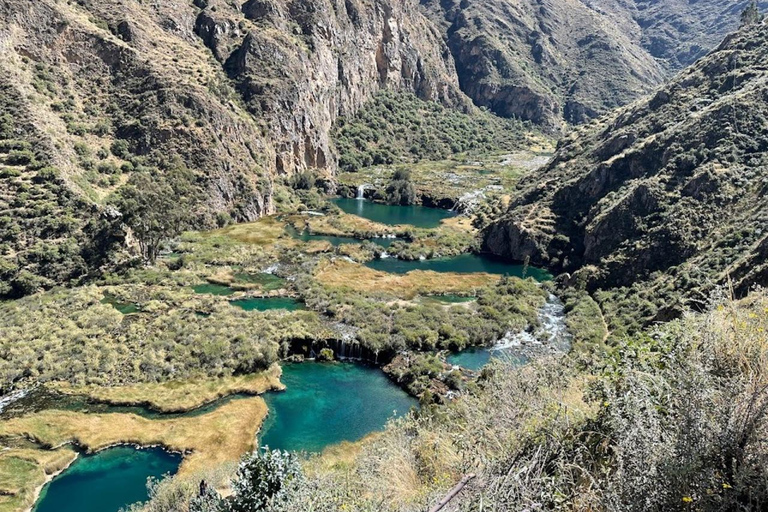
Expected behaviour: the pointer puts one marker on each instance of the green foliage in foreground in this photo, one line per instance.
(673, 419)
(399, 127)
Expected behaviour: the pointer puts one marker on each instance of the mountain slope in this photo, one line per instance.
(544, 61)
(672, 190)
(549, 60)
(102, 91)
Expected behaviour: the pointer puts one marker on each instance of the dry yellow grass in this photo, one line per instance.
(179, 396)
(342, 274)
(318, 247)
(264, 231)
(24, 470)
(224, 276)
(459, 223)
(210, 439)
(354, 251)
(341, 456)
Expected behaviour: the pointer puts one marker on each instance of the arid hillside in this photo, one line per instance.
(671, 191)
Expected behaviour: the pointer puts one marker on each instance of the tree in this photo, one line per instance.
(750, 15)
(156, 207)
(400, 189)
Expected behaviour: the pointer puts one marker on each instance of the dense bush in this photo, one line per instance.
(263, 480)
(400, 189)
(157, 206)
(72, 335)
(382, 326)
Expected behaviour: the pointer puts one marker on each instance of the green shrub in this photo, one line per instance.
(10, 145)
(7, 172)
(263, 479)
(46, 174)
(121, 149)
(20, 157)
(108, 168)
(325, 354)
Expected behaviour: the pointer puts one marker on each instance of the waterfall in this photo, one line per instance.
(553, 326)
(361, 192)
(553, 331)
(10, 398)
(346, 350)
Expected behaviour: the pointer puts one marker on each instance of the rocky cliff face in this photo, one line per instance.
(673, 189)
(301, 64)
(544, 60)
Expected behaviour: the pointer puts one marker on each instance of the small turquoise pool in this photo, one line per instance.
(417, 216)
(476, 357)
(106, 481)
(327, 403)
(268, 304)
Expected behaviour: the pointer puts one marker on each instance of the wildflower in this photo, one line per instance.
(727, 486)
(687, 499)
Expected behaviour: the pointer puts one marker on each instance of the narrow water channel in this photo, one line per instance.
(518, 348)
(268, 304)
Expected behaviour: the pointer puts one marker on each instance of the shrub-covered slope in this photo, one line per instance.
(672, 190)
(399, 128)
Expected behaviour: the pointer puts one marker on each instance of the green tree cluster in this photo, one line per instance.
(157, 206)
(400, 189)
